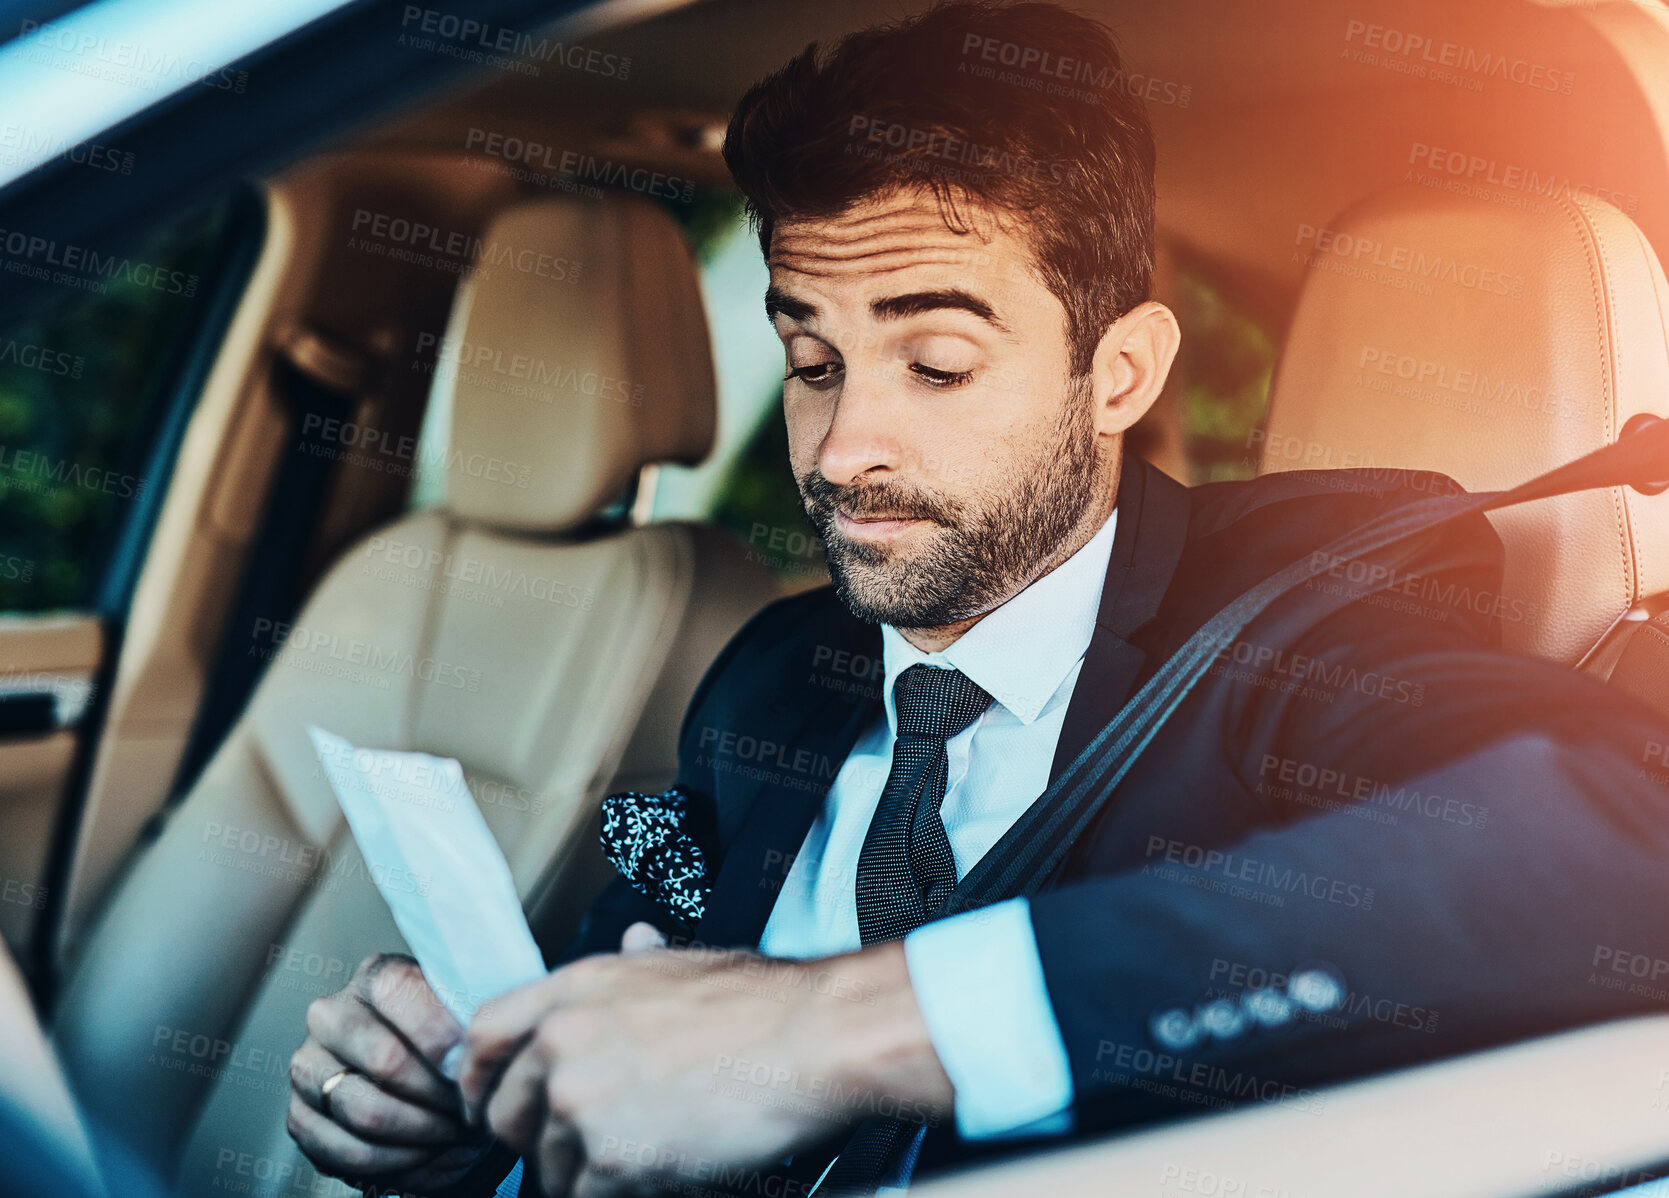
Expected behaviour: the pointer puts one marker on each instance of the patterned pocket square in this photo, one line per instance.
(643, 837)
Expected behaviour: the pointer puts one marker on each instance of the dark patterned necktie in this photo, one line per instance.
(906, 870)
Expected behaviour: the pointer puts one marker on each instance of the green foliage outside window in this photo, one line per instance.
(1226, 365)
(80, 381)
(758, 500)
(760, 503)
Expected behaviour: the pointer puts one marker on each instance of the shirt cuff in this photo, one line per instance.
(979, 983)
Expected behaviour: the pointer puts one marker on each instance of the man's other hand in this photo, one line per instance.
(656, 1065)
(394, 1120)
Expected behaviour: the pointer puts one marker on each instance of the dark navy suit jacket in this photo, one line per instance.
(1467, 840)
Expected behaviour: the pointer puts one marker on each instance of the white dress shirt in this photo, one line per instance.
(977, 976)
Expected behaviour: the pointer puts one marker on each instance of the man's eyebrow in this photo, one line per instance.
(896, 307)
(779, 301)
(892, 307)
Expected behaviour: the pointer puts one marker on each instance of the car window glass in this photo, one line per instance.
(80, 378)
(1223, 367)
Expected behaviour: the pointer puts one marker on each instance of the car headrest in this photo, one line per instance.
(577, 353)
(1490, 341)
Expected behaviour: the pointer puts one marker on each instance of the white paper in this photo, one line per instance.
(438, 867)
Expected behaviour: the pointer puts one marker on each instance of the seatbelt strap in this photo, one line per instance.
(320, 384)
(1026, 858)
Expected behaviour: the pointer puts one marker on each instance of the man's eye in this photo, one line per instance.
(942, 378)
(819, 374)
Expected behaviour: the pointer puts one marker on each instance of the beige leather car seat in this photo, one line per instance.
(1492, 343)
(551, 656)
(1642, 663)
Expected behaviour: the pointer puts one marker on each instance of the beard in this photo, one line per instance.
(986, 547)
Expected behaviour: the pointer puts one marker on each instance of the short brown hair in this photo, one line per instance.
(1020, 105)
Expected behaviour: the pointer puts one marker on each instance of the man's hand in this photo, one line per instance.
(393, 1121)
(618, 1071)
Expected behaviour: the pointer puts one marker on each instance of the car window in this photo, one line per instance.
(746, 486)
(1224, 368)
(81, 381)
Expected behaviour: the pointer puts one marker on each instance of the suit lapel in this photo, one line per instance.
(1153, 511)
(778, 818)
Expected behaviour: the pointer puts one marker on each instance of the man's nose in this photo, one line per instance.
(863, 435)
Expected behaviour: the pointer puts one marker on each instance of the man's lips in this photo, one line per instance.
(874, 528)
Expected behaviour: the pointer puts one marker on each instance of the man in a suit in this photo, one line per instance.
(1368, 837)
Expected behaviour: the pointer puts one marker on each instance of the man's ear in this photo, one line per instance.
(1131, 365)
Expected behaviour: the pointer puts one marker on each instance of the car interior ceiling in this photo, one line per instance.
(1302, 136)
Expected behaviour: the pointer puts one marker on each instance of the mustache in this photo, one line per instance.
(873, 501)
